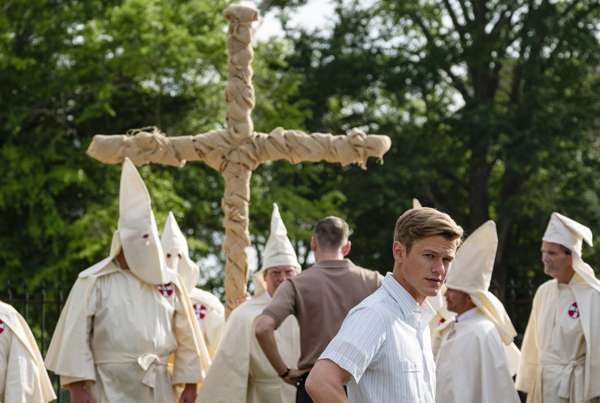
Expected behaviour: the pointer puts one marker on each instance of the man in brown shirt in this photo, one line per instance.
(320, 298)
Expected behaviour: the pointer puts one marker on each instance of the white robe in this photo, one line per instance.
(560, 360)
(210, 314)
(116, 333)
(23, 378)
(240, 371)
(471, 363)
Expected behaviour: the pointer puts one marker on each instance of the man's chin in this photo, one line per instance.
(432, 292)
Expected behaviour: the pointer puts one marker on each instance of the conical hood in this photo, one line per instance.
(137, 228)
(571, 234)
(278, 251)
(474, 262)
(471, 273)
(416, 204)
(176, 251)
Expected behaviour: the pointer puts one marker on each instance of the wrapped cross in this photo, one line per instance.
(238, 150)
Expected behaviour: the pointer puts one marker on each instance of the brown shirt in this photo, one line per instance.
(320, 298)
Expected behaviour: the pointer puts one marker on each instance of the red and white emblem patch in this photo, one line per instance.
(442, 320)
(200, 311)
(2, 326)
(574, 311)
(166, 289)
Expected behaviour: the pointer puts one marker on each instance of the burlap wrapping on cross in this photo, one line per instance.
(238, 150)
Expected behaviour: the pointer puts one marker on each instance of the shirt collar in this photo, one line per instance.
(267, 295)
(408, 305)
(466, 315)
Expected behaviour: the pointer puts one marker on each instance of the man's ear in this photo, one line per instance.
(346, 248)
(399, 252)
(313, 244)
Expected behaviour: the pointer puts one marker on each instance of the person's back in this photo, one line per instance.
(321, 298)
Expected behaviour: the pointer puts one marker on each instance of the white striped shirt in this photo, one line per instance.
(384, 343)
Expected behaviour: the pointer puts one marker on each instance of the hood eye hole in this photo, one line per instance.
(145, 236)
(168, 255)
(179, 255)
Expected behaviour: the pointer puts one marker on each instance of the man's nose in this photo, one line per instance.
(439, 267)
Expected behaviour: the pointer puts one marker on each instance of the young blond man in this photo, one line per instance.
(383, 353)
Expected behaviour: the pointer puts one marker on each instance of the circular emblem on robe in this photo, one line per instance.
(2, 326)
(200, 311)
(574, 311)
(166, 289)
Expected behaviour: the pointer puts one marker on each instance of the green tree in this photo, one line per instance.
(492, 107)
(71, 70)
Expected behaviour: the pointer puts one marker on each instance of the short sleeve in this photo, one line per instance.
(283, 303)
(357, 344)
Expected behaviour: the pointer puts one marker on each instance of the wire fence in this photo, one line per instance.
(42, 313)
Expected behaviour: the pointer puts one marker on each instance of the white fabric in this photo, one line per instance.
(560, 360)
(240, 371)
(210, 314)
(137, 228)
(471, 273)
(466, 315)
(416, 204)
(23, 377)
(175, 245)
(116, 333)
(471, 363)
(385, 344)
(278, 252)
(571, 234)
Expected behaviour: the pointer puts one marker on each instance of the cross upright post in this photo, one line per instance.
(238, 150)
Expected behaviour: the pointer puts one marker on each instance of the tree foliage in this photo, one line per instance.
(71, 70)
(492, 107)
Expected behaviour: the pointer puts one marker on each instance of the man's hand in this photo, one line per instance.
(79, 394)
(294, 376)
(243, 297)
(189, 393)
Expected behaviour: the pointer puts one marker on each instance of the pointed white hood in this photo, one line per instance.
(137, 230)
(416, 204)
(176, 252)
(471, 273)
(278, 252)
(570, 234)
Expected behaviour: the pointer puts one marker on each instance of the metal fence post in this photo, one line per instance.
(26, 302)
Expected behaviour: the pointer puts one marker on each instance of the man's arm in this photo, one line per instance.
(265, 334)
(325, 382)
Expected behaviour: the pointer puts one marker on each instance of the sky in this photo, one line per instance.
(316, 14)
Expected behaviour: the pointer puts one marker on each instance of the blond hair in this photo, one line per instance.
(420, 223)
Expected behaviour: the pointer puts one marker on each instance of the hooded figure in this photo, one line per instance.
(209, 311)
(475, 351)
(561, 345)
(240, 371)
(126, 315)
(23, 377)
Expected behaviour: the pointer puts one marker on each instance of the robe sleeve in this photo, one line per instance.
(214, 325)
(188, 364)
(527, 371)
(22, 382)
(70, 354)
(227, 378)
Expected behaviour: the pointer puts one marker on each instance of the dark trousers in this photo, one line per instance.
(301, 395)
